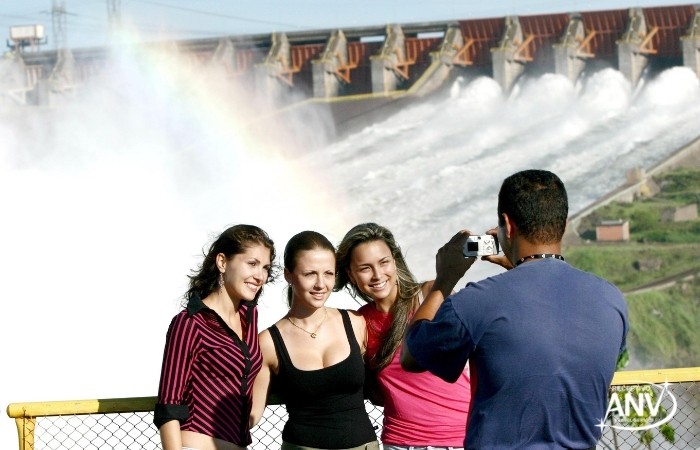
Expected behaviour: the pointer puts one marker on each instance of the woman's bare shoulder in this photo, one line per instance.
(356, 318)
(265, 340)
(267, 348)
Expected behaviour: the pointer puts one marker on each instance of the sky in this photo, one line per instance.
(87, 23)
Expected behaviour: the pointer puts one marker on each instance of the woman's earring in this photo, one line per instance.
(221, 279)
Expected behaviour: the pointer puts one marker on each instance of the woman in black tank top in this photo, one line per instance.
(314, 356)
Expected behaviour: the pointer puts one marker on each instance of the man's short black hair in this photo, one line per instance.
(536, 201)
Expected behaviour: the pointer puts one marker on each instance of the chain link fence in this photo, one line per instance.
(680, 405)
(120, 431)
(135, 430)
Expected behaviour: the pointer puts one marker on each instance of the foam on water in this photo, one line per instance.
(433, 169)
(108, 199)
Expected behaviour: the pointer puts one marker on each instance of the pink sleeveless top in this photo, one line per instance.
(420, 409)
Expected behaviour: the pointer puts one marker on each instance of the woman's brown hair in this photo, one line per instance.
(408, 287)
(233, 241)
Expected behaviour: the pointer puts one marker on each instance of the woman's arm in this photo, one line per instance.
(371, 390)
(170, 435)
(450, 265)
(170, 411)
(261, 387)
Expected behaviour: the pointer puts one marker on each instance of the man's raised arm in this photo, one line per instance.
(450, 265)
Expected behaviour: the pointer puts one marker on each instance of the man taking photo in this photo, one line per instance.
(544, 337)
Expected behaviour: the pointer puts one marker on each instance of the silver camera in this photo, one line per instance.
(481, 245)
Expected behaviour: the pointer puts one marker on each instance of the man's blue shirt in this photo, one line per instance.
(545, 338)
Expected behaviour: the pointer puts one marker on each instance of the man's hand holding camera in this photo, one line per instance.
(500, 259)
(451, 264)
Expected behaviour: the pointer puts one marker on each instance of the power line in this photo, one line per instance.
(226, 16)
(148, 29)
(140, 26)
(12, 16)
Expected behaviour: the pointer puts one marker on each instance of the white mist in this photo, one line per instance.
(108, 200)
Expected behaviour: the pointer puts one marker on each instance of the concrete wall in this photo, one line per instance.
(680, 213)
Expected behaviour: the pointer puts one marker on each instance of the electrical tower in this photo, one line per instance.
(63, 72)
(58, 20)
(114, 14)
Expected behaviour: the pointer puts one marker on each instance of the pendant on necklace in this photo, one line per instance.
(313, 335)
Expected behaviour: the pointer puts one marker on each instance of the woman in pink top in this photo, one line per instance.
(420, 409)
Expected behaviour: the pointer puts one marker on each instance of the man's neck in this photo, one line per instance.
(525, 248)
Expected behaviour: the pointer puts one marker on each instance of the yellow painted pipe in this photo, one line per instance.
(100, 406)
(77, 407)
(25, 432)
(657, 376)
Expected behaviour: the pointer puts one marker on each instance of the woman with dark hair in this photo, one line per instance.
(314, 356)
(420, 409)
(211, 353)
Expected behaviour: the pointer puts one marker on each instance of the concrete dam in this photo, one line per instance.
(356, 71)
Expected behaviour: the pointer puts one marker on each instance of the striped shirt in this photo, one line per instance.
(207, 377)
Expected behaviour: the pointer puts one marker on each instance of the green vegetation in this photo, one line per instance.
(618, 263)
(664, 323)
(664, 326)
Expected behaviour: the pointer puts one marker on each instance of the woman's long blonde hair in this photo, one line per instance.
(408, 287)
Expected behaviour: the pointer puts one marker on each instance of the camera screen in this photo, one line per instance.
(472, 246)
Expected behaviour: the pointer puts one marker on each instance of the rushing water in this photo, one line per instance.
(433, 169)
(108, 198)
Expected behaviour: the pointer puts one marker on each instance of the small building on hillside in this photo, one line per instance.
(680, 213)
(613, 230)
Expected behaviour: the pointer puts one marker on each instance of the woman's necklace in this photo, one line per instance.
(313, 335)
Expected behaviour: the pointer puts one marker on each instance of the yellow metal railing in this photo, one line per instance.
(126, 423)
(682, 375)
(25, 414)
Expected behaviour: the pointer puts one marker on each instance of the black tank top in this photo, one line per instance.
(326, 407)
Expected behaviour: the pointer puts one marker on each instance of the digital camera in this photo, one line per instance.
(481, 245)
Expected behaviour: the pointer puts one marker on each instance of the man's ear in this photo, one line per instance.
(511, 227)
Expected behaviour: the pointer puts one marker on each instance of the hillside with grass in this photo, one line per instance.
(658, 269)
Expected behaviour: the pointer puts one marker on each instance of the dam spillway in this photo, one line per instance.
(417, 58)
